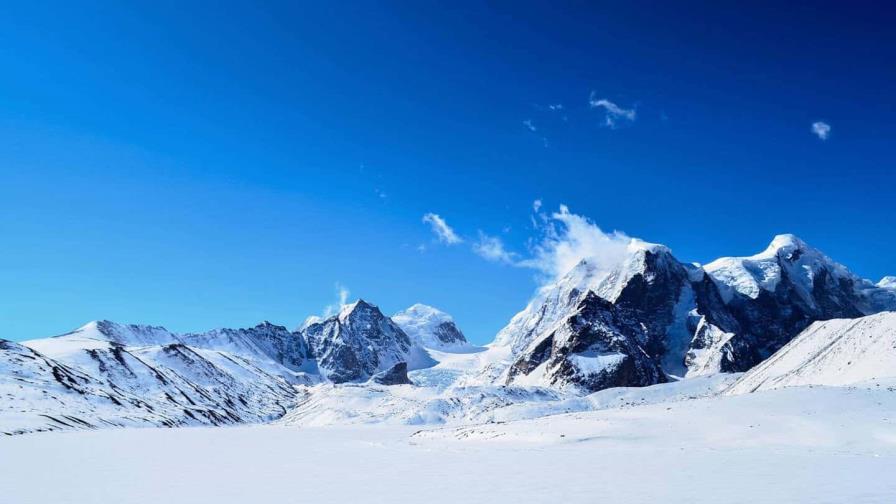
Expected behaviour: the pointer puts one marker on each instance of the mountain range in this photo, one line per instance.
(648, 320)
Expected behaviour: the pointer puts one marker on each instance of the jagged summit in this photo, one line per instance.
(359, 306)
(887, 282)
(359, 342)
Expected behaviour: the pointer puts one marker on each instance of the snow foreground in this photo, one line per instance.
(793, 445)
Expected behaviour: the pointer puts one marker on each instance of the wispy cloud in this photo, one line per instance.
(492, 249)
(562, 240)
(530, 125)
(821, 129)
(614, 113)
(442, 230)
(555, 107)
(567, 238)
(342, 294)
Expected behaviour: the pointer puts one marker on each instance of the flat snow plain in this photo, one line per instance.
(809, 444)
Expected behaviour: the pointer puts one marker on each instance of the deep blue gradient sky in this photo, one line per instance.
(209, 166)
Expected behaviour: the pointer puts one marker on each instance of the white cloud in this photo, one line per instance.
(614, 113)
(555, 107)
(492, 248)
(821, 129)
(342, 294)
(442, 230)
(536, 205)
(567, 238)
(530, 125)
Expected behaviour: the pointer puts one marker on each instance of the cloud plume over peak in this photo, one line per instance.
(567, 238)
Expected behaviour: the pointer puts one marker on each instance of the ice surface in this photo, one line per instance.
(828, 445)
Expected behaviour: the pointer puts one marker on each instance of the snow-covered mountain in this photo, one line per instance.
(360, 342)
(647, 320)
(832, 352)
(689, 320)
(106, 373)
(775, 294)
(430, 328)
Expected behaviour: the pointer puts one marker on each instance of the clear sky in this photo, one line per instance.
(219, 165)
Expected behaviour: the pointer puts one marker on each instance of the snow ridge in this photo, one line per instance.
(833, 352)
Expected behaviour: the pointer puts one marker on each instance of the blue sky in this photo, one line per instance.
(199, 167)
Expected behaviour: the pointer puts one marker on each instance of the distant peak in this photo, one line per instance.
(887, 282)
(265, 324)
(423, 309)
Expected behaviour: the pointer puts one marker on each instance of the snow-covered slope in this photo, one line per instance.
(124, 334)
(430, 328)
(822, 445)
(833, 352)
(371, 404)
(77, 381)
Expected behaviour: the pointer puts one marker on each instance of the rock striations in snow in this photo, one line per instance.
(832, 352)
(109, 374)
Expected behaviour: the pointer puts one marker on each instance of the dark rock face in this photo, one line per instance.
(649, 298)
(763, 325)
(684, 319)
(448, 333)
(357, 343)
(396, 375)
(594, 349)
